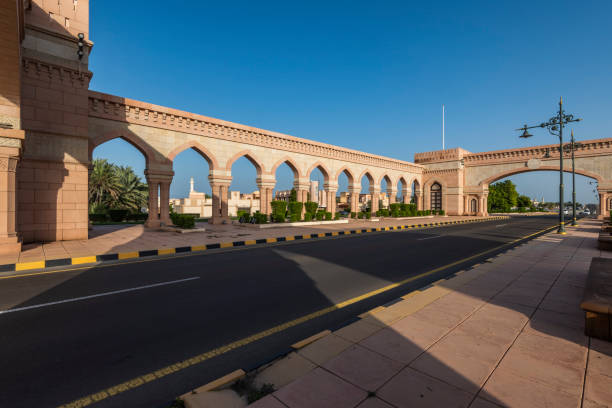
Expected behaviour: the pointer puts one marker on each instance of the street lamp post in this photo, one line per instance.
(554, 125)
(572, 146)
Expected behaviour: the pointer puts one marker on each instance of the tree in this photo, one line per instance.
(133, 193)
(502, 196)
(523, 201)
(112, 186)
(103, 184)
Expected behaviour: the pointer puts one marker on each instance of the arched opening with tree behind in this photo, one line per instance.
(117, 191)
(538, 190)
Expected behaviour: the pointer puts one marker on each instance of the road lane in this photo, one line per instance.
(101, 342)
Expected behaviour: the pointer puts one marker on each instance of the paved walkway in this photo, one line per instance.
(508, 332)
(105, 239)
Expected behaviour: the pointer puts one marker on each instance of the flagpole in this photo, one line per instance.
(443, 127)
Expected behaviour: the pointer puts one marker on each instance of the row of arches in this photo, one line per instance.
(159, 173)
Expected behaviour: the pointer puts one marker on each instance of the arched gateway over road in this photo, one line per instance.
(50, 122)
(465, 176)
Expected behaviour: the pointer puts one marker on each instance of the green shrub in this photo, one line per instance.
(353, 215)
(368, 215)
(360, 215)
(118, 215)
(98, 217)
(186, 221)
(307, 216)
(328, 216)
(294, 217)
(441, 212)
(311, 207)
(419, 213)
(337, 216)
(295, 207)
(137, 217)
(259, 218)
(320, 215)
(243, 215)
(427, 212)
(279, 210)
(378, 213)
(395, 207)
(385, 212)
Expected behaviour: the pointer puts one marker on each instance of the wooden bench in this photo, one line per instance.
(597, 299)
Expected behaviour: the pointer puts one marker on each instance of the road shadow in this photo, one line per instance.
(411, 361)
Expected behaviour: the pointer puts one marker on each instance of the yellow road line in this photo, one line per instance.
(143, 379)
(250, 242)
(270, 240)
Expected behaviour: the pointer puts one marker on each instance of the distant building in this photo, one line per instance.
(199, 203)
(315, 194)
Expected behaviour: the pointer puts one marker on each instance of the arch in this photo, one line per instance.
(473, 205)
(385, 177)
(435, 193)
(405, 185)
(294, 167)
(130, 137)
(249, 155)
(322, 169)
(349, 174)
(519, 170)
(192, 144)
(370, 177)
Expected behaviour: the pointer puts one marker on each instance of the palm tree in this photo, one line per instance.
(103, 184)
(133, 193)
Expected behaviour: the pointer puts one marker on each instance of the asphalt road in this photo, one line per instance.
(67, 335)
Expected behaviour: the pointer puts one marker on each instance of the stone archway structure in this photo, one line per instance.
(50, 123)
(466, 176)
(160, 133)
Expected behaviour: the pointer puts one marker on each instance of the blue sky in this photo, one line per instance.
(365, 76)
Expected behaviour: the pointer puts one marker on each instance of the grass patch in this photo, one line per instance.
(245, 386)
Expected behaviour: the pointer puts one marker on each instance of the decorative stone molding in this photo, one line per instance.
(111, 107)
(589, 148)
(56, 72)
(10, 142)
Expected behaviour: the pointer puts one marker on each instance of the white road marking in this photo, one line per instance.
(115, 292)
(500, 225)
(421, 239)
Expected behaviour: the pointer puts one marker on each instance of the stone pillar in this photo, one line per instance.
(220, 213)
(354, 191)
(602, 205)
(153, 218)
(330, 190)
(392, 193)
(406, 195)
(375, 192)
(10, 149)
(302, 187)
(164, 212)
(466, 202)
(265, 184)
(482, 205)
(159, 214)
(419, 199)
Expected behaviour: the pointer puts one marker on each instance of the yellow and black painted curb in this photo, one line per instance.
(95, 259)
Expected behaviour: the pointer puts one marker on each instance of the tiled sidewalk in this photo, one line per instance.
(506, 333)
(114, 239)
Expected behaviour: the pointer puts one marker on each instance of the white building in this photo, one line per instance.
(199, 203)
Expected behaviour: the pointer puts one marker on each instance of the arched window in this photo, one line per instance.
(436, 196)
(473, 206)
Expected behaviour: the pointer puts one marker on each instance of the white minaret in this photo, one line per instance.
(191, 190)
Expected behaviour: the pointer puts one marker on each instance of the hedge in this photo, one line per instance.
(185, 221)
(295, 209)
(98, 217)
(328, 216)
(118, 215)
(279, 210)
(311, 207)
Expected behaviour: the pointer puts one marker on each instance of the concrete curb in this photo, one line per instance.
(97, 259)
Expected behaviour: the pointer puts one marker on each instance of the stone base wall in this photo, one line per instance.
(52, 200)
